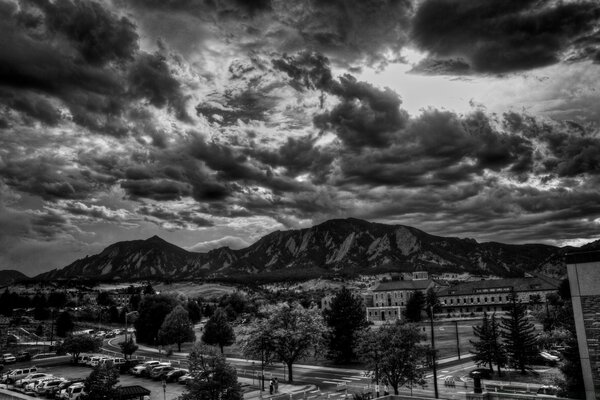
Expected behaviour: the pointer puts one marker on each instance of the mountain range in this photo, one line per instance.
(10, 276)
(339, 246)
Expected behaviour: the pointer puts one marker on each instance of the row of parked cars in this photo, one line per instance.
(161, 371)
(31, 381)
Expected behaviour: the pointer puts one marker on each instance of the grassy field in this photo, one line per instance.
(189, 289)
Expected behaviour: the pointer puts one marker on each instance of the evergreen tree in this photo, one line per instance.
(217, 331)
(177, 328)
(194, 311)
(153, 310)
(488, 349)
(346, 319)
(432, 303)
(414, 306)
(64, 324)
(128, 347)
(519, 336)
(100, 384)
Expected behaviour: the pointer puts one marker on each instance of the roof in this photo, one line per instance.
(582, 257)
(132, 392)
(516, 284)
(419, 284)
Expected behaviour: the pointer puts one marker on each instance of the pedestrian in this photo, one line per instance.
(271, 387)
(276, 385)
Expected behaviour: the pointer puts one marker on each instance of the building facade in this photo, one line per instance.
(494, 295)
(583, 270)
(390, 297)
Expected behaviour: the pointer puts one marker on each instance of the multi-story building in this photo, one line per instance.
(583, 269)
(494, 294)
(390, 297)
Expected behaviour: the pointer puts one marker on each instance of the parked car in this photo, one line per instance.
(483, 373)
(8, 358)
(30, 387)
(23, 356)
(549, 357)
(94, 361)
(73, 392)
(55, 390)
(45, 387)
(547, 390)
(174, 375)
(31, 377)
(138, 370)
(43, 355)
(149, 369)
(128, 365)
(184, 379)
(19, 373)
(157, 373)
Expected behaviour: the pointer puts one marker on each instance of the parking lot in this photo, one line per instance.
(173, 390)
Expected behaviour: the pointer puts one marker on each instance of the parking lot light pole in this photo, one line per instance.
(457, 341)
(433, 362)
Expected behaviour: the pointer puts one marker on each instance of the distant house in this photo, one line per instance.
(494, 294)
(390, 297)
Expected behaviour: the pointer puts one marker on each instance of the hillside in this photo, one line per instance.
(335, 246)
(10, 276)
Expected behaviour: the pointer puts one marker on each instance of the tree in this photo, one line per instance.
(75, 345)
(285, 333)
(519, 336)
(432, 303)
(64, 324)
(212, 377)
(153, 310)
(149, 290)
(217, 331)
(394, 355)
(414, 306)
(177, 328)
(488, 349)
(346, 319)
(128, 347)
(100, 384)
(103, 299)
(134, 301)
(57, 299)
(194, 311)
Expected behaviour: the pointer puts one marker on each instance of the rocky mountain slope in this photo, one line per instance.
(10, 276)
(342, 245)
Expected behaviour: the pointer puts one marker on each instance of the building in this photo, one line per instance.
(583, 270)
(120, 299)
(494, 295)
(390, 297)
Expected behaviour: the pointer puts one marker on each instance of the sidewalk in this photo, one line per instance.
(286, 390)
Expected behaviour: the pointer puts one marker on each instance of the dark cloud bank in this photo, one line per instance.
(73, 72)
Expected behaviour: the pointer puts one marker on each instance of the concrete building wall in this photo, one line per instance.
(584, 281)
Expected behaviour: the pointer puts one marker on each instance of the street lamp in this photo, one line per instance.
(164, 385)
(457, 341)
(433, 364)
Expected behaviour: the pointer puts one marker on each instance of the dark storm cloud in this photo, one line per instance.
(181, 218)
(46, 177)
(99, 35)
(156, 189)
(250, 104)
(232, 165)
(366, 116)
(440, 148)
(150, 78)
(298, 156)
(435, 66)
(35, 107)
(307, 70)
(504, 36)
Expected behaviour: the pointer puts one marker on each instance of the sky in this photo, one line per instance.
(214, 122)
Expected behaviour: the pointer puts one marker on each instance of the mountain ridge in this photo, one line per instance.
(334, 246)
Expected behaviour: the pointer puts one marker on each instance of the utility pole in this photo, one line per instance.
(457, 341)
(51, 326)
(433, 362)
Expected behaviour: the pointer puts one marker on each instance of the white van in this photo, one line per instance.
(73, 392)
(17, 374)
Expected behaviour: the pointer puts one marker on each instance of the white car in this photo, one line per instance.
(30, 387)
(147, 365)
(94, 361)
(549, 357)
(9, 358)
(32, 377)
(45, 387)
(73, 392)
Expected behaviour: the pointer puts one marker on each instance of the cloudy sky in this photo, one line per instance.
(214, 122)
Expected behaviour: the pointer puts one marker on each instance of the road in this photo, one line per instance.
(330, 381)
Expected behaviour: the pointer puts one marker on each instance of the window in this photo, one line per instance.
(479, 299)
(471, 300)
(493, 299)
(464, 301)
(451, 301)
(445, 301)
(485, 299)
